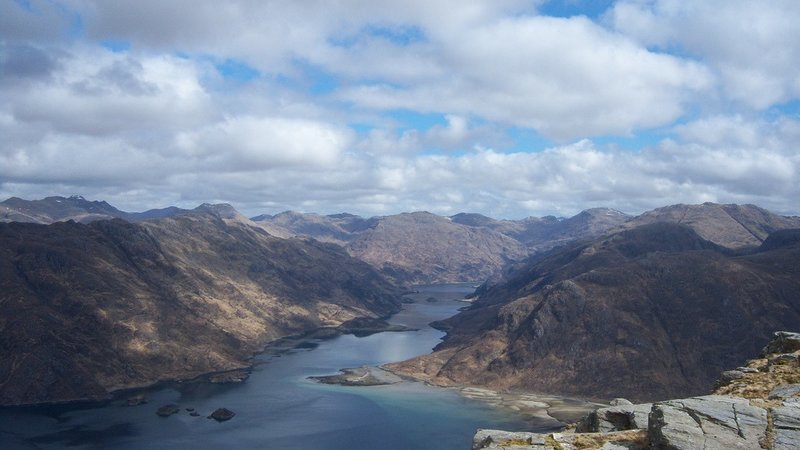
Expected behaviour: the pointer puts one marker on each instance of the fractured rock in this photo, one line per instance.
(786, 426)
(708, 422)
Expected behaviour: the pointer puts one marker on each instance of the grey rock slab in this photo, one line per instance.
(784, 392)
(616, 418)
(708, 422)
(614, 446)
(786, 427)
(487, 439)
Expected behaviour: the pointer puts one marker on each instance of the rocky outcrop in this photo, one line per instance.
(756, 411)
(621, 415)
(88, 309)
(651, 313)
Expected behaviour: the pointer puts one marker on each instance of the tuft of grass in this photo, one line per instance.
(592, 441)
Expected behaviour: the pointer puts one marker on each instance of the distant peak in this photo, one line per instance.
(223, 210)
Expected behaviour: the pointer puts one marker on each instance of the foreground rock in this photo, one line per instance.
(715, 421)
(758, 410)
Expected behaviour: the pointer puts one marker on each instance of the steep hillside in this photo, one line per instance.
(732, 226)
(649, 313)
(422, 248)
(88, 309)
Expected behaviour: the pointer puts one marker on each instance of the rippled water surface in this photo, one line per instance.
(278, 407)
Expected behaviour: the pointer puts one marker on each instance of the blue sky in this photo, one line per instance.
(507, 108)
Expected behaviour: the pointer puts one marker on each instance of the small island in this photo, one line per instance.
(360, 376)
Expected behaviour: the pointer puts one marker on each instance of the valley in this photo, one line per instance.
(97, 301)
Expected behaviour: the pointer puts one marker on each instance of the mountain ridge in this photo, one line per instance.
(593, 318)
(89, 309)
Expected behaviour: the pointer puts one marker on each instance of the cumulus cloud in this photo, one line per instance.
(256, 143)
(381, 107)
(565, 78)
(752, 46)
(95, 92)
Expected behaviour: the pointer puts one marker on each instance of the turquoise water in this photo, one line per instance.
(279, 408)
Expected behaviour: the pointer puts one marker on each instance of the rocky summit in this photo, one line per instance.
(88, 309)
(649, 313)
(757, 408)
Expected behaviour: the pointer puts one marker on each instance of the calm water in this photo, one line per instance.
(279, 408)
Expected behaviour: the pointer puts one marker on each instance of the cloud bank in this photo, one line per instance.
(382, 107)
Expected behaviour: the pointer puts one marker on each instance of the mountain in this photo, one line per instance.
(422, 247)
(337, 229)
(732, 226)
(87, 309)
(76, 208)
(544, 233)
(413, 248)
(648, 313)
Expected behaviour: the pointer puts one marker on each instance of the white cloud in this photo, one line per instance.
(158, 124)
(97, 92)
(258, 143)
(565, 78)
(753, 46)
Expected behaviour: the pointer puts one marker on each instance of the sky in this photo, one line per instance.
(502, 107)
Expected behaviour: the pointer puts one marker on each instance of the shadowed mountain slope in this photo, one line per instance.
(88, 309)
(648, 313)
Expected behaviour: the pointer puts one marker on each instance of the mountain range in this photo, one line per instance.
(75, 208)
(94, 299)
(409, 248)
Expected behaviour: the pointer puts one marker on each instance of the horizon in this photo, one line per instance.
(510, 109)
(250, 215)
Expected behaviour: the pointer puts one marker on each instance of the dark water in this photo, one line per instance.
(279, 408)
